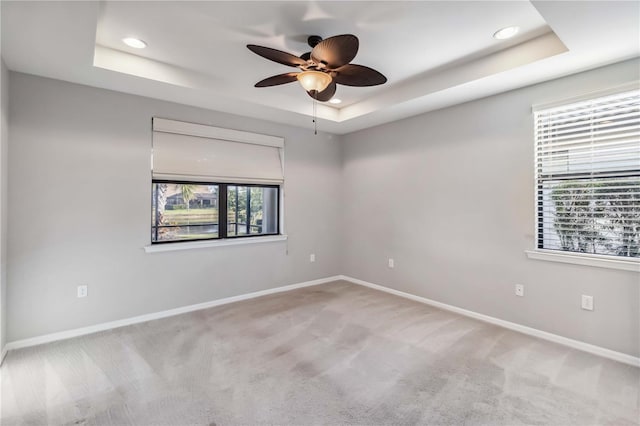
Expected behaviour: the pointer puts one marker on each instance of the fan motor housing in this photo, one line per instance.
(313, 40)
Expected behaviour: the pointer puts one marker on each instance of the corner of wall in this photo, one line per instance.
(4, 142)
(341, 234)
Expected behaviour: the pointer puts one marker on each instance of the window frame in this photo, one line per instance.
(566, 256)
(222, 210)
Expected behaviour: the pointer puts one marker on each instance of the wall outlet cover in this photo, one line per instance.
(312, 258)
(83, 291)
(587, 302)
(392, 263)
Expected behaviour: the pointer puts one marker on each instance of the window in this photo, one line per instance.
(188, 211)
(588, 176)
(212, 183)
(179, 212)
(251, 210)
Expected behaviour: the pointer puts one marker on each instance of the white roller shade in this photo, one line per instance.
(195, 152)
(588, 175)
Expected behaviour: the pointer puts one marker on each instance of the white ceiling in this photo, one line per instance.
(434, 54)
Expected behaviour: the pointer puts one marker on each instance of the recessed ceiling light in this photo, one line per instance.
(335, 101)
(136, 43)
(506, 33)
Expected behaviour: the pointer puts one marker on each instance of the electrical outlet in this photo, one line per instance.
(519, 290)
(312, 258)
(392, 263)
(587, 302)
(82, 291)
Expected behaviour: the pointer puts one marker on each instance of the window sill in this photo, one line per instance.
(599, 261)
(155, 248)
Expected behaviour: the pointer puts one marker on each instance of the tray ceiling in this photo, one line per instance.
(434, 54)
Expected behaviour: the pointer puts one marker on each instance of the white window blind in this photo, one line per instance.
(588, 176)
(195, 152)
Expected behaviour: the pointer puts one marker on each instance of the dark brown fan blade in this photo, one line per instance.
(336, 51)
(358, 75)
(278, 56)
(326, 94)
(278, 79)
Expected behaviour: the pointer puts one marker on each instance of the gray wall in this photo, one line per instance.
(79, 212)
(449, 195)
(4, 144)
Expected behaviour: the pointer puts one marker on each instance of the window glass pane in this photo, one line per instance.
(252, 210)
(186, 233)
(591, 216)
(236, 210)
(184, 211)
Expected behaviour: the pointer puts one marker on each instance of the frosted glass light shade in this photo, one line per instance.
(314, 80)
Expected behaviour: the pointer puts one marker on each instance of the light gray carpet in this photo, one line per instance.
(331, 354)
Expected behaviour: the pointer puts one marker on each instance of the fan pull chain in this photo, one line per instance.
(315, 117)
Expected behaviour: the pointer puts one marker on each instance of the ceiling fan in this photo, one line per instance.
(327, 65)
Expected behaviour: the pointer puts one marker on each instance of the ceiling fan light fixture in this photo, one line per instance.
(314, 80)
(505, 33)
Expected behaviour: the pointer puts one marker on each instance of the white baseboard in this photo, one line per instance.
(576, 344)
(47, 338)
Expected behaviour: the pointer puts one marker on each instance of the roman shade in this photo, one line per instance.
(196, 152)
